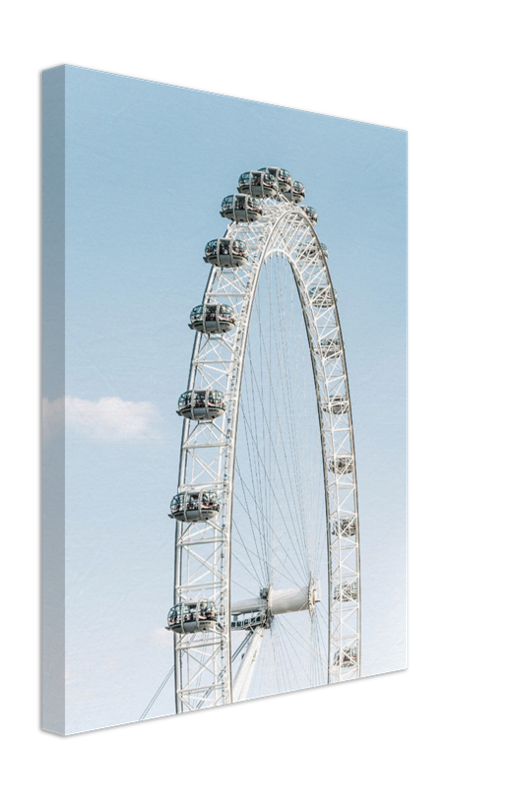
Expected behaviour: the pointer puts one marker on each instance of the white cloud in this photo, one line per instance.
(107, 418)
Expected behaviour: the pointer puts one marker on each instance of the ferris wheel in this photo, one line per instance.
(267, 590)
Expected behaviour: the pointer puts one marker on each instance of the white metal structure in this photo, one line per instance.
(281, 538)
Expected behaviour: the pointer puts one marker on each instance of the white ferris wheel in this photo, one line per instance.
(267, 591)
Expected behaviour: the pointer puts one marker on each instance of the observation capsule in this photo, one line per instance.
(193, 506)
(347, 591)
(258, 183)
(322, 297)
(296, 194)
(192, 616)
(337, 404)
(347, 657)
(241, 208)
(341, 465)
(212, 318)
(201, 404)
(311, 249)
(347, 527)
(226, 253)
(329, 348)
(310, 214)
(283, 177)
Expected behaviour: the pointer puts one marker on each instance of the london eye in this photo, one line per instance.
(267, 567)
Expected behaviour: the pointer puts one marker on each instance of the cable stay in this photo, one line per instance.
(170, 673)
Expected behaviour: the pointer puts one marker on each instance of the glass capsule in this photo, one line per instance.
(193, 506)
(212, 318)
(201, 404)
(241, 208)
(192, 616)
(283, 177)
(258, 183)
(226, 253)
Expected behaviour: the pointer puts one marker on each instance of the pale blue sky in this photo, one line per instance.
(146, 168)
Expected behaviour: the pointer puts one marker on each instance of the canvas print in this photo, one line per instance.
(224, 400)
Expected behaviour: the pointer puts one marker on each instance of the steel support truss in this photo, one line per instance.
(203, 673)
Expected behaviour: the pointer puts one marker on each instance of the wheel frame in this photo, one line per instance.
(208, 451)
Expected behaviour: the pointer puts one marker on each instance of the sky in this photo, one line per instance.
(146, 168)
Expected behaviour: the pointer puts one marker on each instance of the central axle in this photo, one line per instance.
(271, 602)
